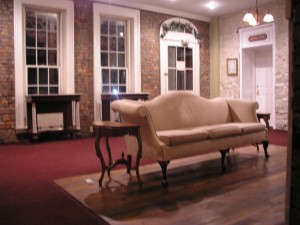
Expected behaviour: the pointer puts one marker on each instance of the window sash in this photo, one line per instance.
(42, 61)
(113, 55)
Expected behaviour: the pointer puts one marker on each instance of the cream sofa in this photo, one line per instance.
(181, 124)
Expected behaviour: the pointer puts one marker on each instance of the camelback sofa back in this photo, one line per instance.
(181, 124)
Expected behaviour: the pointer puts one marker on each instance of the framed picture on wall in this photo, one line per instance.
(232, 67)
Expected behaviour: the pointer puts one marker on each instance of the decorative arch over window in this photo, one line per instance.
(180, 44)
(182, 27)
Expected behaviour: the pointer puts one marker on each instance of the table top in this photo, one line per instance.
(110, 124)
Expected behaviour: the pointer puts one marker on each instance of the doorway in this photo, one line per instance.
(179, 60)
(258, 69)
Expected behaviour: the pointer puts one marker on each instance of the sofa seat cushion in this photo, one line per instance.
(222, 130)
(182, 136)
(248, 128)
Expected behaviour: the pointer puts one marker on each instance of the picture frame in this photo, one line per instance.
(232, 67)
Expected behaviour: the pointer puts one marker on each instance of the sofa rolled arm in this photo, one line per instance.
(129, 107)
(243, 110)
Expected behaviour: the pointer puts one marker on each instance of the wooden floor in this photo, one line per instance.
(252, 191)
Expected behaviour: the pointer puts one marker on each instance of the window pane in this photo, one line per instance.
(52, 22)
(53, 76)
(112, 88)
(121, 44)
(43, 76)
(112, 44)
(122, 89)
(121, 60)
(105, 76)
(180, 54)
(172, 56)
(41, 21)
(189, 57)
(41, 38)
(30, 20)
(180, 80)
(121, 30)
(105, 89)
(113, 59)
(32, 90)
(30, 57)
(172, 79)
(104, 43)
(43, 90)
(32, 76)
(52, 59)
(122, 76)
(189, 80)
(53, 90)
(52, 42)
(104, 59)
(112, 28)
(42, 57)
(114, 76)
(104, 27)
(30, 38)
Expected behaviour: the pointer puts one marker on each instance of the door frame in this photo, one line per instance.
(251, 38)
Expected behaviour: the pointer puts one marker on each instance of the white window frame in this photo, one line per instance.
(67, 80)
(134, 64)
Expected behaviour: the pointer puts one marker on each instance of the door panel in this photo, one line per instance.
(263, 79)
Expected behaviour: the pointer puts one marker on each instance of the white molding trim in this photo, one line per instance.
(66, 7)
(134, 80)
(163, 10)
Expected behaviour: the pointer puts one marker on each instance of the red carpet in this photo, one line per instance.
(28, 195)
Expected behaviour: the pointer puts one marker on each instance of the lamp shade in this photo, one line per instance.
(248, 16)
(253, 22)
(268, 18)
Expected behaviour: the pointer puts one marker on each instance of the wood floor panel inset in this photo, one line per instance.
(251, 191)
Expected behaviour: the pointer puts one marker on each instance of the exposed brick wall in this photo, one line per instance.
(229, 48)
(84, 61)
(7, 85)
(150, 53)
(150, 58)
(294, 212)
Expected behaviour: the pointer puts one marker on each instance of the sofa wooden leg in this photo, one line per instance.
(223, 155)
(265, 145)
(129, 160)
(163, 166)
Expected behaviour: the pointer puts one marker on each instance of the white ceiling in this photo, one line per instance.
(194, 8)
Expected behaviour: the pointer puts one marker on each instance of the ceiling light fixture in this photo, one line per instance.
(253, 20)
(211, 5)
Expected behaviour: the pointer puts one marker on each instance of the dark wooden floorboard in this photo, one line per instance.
(251, 191)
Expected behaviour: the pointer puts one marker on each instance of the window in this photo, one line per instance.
(114, 69)
(43, 51)
(41, 34)
(180, 68)
(116, 52)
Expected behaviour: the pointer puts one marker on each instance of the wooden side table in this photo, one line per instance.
(113, 129)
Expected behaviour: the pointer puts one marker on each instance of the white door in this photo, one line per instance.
(179, 69)
(263, 79)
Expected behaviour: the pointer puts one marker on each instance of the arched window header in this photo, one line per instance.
(183, 27)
